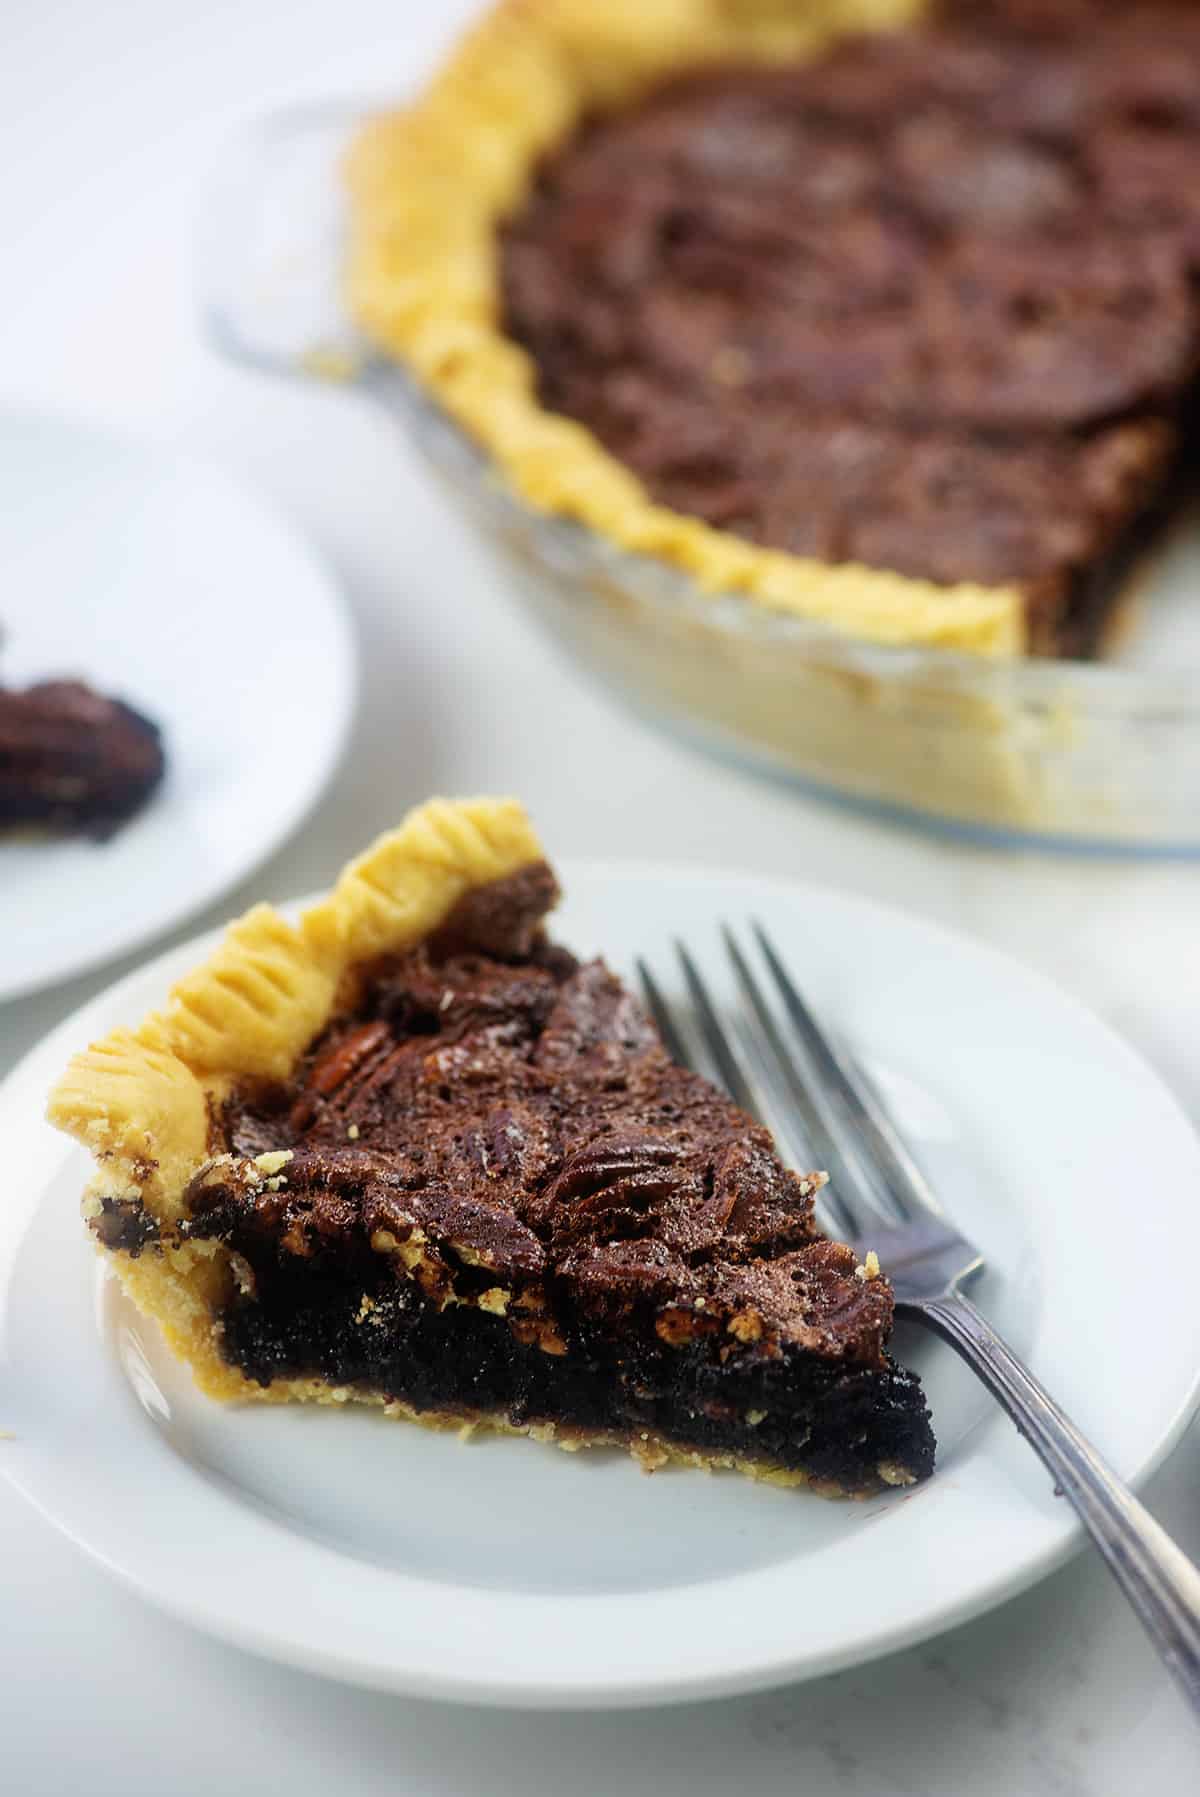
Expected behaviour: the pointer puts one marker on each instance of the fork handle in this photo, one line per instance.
(1156, 1576)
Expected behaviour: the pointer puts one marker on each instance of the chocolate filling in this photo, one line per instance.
(486, 1189)
(927, 303)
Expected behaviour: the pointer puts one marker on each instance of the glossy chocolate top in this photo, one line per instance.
(927, 303)
(505, 1118)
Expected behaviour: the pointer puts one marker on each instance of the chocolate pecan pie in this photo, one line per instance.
(408, 1152)
(74, 761)
(898, 328)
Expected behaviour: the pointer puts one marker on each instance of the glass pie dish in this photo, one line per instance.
(1072, 755)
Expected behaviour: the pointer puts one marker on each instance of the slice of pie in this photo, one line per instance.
(408, 1152)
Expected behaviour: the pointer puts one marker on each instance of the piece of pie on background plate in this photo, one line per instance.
(73, 760)
(409, 1152)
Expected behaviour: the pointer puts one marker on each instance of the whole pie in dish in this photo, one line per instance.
(408, 1152)
(879, 312)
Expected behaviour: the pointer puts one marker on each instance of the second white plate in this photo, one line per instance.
(506, 1572)
(157, 580)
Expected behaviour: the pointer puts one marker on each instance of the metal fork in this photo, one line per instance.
(878, 1198)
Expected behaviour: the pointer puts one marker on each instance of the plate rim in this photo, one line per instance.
(336, 715)
(364, 1670)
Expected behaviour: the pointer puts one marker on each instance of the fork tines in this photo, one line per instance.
(784, 1069)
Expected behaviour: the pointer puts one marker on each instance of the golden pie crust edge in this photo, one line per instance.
(140, 1100)
(428, 187)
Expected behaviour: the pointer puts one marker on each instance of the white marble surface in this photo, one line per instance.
(109, 117)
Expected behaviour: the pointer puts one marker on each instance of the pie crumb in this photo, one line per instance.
(274, 1160)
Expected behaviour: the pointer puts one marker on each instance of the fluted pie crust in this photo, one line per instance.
(429, 186)
(406, 1152)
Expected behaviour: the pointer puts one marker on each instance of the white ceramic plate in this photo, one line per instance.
(503, 1571)
(155, 579)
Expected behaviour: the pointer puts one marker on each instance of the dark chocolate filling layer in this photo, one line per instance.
(928, 303)
(488, 1190)
(834, 1423)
